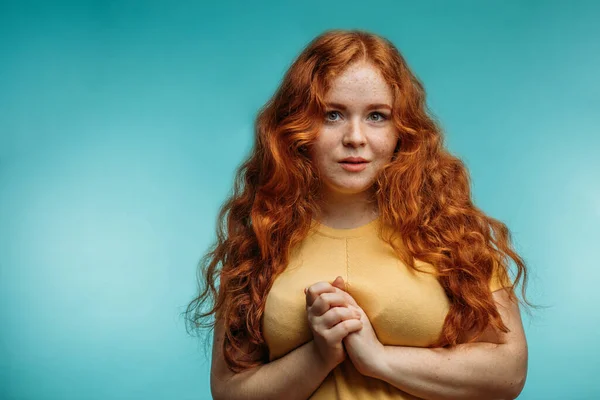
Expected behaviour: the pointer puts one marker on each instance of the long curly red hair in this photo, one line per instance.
(423, 193)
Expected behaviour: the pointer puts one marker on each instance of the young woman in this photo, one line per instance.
(354, 263)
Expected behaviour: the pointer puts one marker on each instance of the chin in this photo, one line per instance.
(353, 189)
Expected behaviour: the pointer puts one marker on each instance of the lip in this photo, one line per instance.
(354, 160)
(356, 167)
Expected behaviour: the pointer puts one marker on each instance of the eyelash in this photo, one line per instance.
(382, 117)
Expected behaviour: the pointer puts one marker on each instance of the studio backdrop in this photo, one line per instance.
(122, 124)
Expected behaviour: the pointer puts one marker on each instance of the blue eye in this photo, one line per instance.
(331, 113)
(330, 116)
(380, 115)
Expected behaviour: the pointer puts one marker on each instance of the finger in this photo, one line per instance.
(339, 283)
(335, 315)
(357, 310)
(314, 290)
(343, 329)
(325, 301)
(346, 295)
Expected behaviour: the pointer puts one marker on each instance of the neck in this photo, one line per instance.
(347, 211)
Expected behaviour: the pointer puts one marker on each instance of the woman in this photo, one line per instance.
(355, 265)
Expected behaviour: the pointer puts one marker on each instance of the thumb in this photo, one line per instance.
(339, 283)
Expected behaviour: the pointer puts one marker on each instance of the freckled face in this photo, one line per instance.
(357, 123)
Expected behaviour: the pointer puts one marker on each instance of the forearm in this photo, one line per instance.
(294, 376)
(466, 371)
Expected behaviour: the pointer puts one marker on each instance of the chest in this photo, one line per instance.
(405, 307)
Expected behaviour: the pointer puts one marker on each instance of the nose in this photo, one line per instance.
(354, 135)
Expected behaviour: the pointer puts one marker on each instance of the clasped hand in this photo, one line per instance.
(338, 322)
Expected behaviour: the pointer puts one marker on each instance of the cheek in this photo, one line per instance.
(321, 157)
(385, 148)
(323, 150)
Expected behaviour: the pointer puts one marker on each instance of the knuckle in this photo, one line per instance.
(322, 299)
(347, 324)
(319, 332)
(316, 307)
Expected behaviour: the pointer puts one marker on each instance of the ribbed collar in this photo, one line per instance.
(359, 231)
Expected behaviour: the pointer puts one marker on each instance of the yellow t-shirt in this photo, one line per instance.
(405, 307)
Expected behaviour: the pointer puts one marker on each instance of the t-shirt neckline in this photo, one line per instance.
(346, 233)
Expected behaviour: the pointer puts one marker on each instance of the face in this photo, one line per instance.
(357, 123)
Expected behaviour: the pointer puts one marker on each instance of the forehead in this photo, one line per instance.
(359, 83)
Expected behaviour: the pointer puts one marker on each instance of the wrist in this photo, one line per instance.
(379, 368)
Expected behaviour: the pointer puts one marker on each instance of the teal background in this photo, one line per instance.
(122, 123)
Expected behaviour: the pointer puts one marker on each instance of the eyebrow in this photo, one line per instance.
(369, 107)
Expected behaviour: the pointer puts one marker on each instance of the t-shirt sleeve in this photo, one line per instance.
(497, 281)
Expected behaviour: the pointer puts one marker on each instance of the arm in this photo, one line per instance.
(466, 371)
(294, 376)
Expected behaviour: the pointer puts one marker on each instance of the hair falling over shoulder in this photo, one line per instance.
(423, 194)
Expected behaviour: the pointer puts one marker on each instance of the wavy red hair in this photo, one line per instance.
(424, 194)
